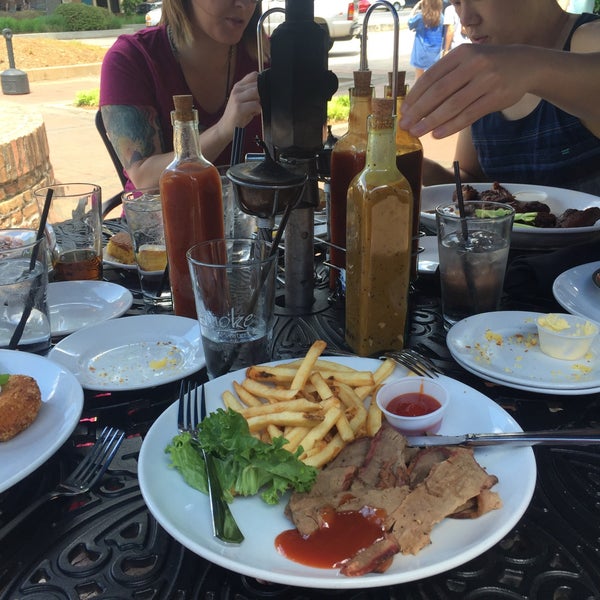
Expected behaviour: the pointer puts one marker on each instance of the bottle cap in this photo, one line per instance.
(362, 83)
(184, 108)
(382, 107)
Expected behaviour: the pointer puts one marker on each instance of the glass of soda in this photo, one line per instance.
(473, 251)
(74, 230)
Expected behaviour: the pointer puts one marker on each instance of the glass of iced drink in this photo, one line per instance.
(143, 212)
(23, 288)
(75, 229)
(234, 289)
(473, 252)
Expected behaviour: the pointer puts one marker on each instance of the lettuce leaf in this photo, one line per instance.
(245, 466)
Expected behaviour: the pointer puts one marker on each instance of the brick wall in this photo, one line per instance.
(24, 164)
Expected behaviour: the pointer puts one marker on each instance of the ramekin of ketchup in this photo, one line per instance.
(413, 405)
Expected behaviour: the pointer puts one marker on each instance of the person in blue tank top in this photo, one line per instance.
(524, 95)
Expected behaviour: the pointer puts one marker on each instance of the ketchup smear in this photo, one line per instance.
(413, 404)
(341, 535)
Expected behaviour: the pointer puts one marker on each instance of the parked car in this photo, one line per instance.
(153, 16)
(143, 7)
(339, 18)
(363, 6)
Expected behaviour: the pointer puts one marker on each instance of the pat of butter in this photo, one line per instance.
(557, 323)
(158, 364)
(553, 322)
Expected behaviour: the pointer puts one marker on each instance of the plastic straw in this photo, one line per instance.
(469, 276)
(237, 145)
(18, 332)
(461, 202)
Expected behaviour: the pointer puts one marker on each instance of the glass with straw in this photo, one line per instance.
(473, 244)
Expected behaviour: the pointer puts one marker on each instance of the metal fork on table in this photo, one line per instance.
(224, 526)
(82, 479)
(415, 362)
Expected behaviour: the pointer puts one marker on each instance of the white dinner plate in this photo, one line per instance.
(524, 237)
(575, 291)
(108, 259)
(504, 346)
(76, 304)
(62, 402)
(175, 505)
(429, 258)
(132, 352)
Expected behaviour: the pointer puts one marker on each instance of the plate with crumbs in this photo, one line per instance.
(132, 353)
(503, 347)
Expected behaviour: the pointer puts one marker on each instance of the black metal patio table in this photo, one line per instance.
(106, 544)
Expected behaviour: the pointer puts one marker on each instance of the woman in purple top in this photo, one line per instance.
(524, 96)
(206, 48)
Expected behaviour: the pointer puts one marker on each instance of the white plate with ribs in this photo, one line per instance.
(525, 237)
(185, 512)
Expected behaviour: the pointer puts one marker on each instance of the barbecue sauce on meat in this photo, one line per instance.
(340, 536)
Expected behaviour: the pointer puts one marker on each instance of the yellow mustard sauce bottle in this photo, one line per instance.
(379, 242)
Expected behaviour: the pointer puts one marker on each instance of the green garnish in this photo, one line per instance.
(4, 378)
(245, 465)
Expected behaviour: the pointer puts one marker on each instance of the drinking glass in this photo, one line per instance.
(143, 211)
(23, 288)
(74, 229)
(234, 289)
(473, 252)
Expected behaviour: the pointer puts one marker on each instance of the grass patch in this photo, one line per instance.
(338, 108)
(88, 98)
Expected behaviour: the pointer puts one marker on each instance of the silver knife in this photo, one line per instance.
(581, 437)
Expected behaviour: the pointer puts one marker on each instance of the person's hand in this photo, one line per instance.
(464, 85)
(243, 104)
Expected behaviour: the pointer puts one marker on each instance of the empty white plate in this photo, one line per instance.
(76, 304)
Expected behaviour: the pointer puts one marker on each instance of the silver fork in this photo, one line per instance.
(224, 526)
(415, 362)
(82, 479)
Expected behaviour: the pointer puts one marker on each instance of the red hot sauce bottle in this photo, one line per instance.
(347, 160)
(192, 202)
(409, 160)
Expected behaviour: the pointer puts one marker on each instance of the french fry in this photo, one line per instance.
(322, 429)
(284, 419)
(298, 405)
(321, 387)
(265, 391)
(381, 374)
(274, 432)
(279, 374)
(327, 454)
(374, 418)
(344, 429)
(246, 397)
(230, 401)
(306, 367)
(294, 437)
(351, 378)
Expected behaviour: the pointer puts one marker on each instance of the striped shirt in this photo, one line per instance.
(547, 147)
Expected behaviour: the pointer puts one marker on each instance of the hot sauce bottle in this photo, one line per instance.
(409, 159)
(347, 160)
(191, 197)
(379, 242)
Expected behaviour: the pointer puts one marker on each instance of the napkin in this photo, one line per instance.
(534, 275)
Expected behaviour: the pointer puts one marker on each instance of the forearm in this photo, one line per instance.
(570, 81)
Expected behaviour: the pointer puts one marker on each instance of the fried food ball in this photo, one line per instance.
(20, 403)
